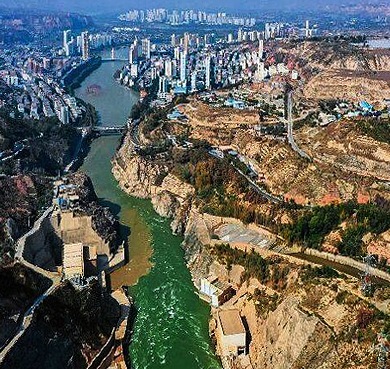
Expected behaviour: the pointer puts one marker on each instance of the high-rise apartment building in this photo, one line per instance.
(208, 73)
(168, 68)
(183, 67)
(67, 36)
(261, 49)
(173, 40)
(85, 45)
(146, 48)
(307, 29)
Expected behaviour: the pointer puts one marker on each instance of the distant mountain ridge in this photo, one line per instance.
(41, 20)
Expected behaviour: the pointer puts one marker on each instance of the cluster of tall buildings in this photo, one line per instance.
(139, 49)
(184, 71)
(83, 43)
(196, 63)
(179, 71)
(193, 64)
(175, 17)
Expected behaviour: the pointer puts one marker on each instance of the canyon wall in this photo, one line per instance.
(41, 246)
(270, 345)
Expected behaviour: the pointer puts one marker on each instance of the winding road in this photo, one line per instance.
(290, 133)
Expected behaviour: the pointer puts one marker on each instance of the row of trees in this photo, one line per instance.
(310, 229)
(379, 130)
(255, 266)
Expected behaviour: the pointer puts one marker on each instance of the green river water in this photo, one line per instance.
(171, 327)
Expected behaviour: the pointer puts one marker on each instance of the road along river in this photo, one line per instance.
(171, 327)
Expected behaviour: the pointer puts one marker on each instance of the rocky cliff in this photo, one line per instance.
(104, 223)
(311, 324)
(21, 199)
(274, 346)
(68, 329)
(170, 197)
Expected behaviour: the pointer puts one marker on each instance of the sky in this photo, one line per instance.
(93, 6)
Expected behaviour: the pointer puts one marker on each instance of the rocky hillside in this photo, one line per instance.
(298, 316)
(21, 25)
(339, 69)
(19, 288)
(47, 146)
(343, 145)
(69, 328)
(301, 316)
(103, 221)
(21, 199)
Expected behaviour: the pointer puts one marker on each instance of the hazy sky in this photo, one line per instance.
(93, 6)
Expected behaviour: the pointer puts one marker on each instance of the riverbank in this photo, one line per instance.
(140, 175)
(156, 268)
(76, 76)
(100, 341)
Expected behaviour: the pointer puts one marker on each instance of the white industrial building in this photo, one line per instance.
(215, 291)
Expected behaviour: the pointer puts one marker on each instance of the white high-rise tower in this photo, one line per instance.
(208, 73)
(85, 45)
(261, 49)
(66, 37)
(146, 48)
(307, 29)
(66, 42)
(260, 71)
(183, 67)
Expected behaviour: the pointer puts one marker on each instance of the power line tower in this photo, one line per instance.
(367, 286)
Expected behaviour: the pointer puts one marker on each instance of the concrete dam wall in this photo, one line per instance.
(42, 246)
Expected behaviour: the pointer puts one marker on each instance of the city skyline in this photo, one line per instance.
(194, 185)
(95, 7)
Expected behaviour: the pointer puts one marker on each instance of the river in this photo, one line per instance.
(171, 327)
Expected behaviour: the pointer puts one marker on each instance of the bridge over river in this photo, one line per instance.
(109, 130)
(104, 60)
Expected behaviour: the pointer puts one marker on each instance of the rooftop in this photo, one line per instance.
(231, 322)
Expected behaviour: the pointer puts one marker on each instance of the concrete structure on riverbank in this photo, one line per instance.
(63, 244)
(66, 239)
(74, 228)
(215, 291)
(231, 333)
(73, 260)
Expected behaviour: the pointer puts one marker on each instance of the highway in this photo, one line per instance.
(15, 153)
(290, 134)
(134, 132)
(19, 147)
(258, 189)
(56, 282)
